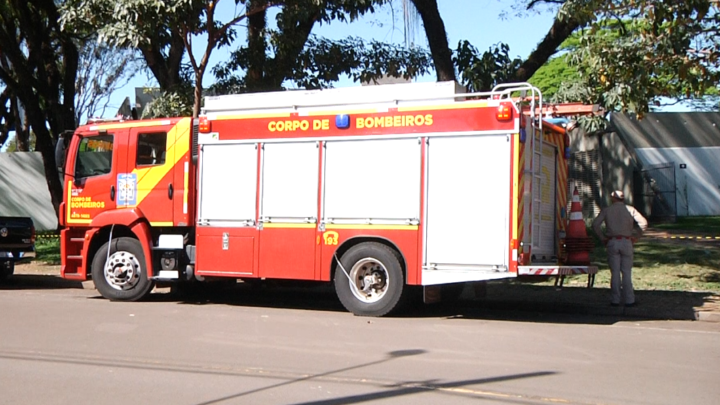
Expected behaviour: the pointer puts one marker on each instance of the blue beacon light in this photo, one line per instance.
(342, 121)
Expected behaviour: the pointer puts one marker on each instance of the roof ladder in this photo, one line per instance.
(536, 145)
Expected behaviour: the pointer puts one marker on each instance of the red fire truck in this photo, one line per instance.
(374, 188)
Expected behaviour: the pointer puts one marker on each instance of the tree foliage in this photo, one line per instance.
(158, 28)
(633, 53)
(38, 66)
(285, 50)
(150, 26)
(483, 72)
(176, 103)
(162, 30)
(101, 71)
(557, 73)
(322, 62)
(13, 118)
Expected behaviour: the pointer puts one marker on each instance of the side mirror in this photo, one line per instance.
(61, 151)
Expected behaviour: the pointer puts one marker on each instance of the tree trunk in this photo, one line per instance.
(295, 37)
(437, 39)
(44, 144)
(6, 116)
(197, 93)
(559, 32)
(41, 75)
(165, 70)
(22, 130)
(257, 22)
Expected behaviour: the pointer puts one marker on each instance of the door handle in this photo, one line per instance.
(170, 191)
(112, 193)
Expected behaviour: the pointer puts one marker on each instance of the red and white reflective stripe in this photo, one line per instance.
(576, 197)
(544, 272)
(576, 216)
(556, 270)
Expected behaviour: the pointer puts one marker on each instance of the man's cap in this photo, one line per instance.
(618, 194)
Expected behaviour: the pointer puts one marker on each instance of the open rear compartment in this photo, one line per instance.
(543, 216)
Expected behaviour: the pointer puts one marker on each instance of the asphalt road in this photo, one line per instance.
(60, 344)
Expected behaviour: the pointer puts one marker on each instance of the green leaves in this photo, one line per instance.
(170, 104)
(130, 23)
(322, 62)
(636, 52)
(482, 72)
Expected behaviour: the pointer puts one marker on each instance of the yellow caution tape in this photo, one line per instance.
(691, 237)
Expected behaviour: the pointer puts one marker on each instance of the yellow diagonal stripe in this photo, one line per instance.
(178, 144)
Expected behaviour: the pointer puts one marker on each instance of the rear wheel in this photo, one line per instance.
(7, 267)
(370, 281)
(118, 271)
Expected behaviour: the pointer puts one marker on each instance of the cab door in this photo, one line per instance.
(96, 160)
(157, 180)
(149, 183)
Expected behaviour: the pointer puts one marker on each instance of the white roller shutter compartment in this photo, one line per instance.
(375, 179)
(228, 183)
(545, 218)
(290, 181)
(468, 202)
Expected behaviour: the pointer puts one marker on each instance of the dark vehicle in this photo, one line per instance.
(17, 236)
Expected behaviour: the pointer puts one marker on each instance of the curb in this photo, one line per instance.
(621, 312)
(707, 316)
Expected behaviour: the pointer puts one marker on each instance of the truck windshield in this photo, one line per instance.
(94, 156)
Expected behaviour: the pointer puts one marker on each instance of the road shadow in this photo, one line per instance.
(311, 296)
(38, 282)
(502, 301)
(533, 303)
(505, 301)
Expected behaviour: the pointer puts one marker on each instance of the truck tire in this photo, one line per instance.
(121, 275)
(7, 267)
(374, 281)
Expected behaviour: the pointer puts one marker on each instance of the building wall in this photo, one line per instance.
(599, 165)
(24, 191)
(697, 184)
(618, 166)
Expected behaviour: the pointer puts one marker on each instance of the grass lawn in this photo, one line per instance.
(706, 225)
(669, 265)
(47, 250)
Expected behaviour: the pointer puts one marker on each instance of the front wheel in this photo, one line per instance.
(121, 275)
(370, 281)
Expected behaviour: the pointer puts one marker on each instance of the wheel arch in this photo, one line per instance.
(139, 230)
(356, 240)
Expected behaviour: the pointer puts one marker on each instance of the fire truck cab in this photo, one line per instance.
(374, 189)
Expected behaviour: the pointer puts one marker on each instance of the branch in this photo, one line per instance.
(533, 3)
(559, 32)
(187, 40)
(222, 30)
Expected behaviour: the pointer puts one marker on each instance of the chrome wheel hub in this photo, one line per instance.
(369, 280)
(122, 271)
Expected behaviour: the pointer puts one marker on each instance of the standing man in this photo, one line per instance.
(619, 222)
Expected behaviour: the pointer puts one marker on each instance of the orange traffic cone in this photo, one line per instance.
(576, 225)
(577, 243)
